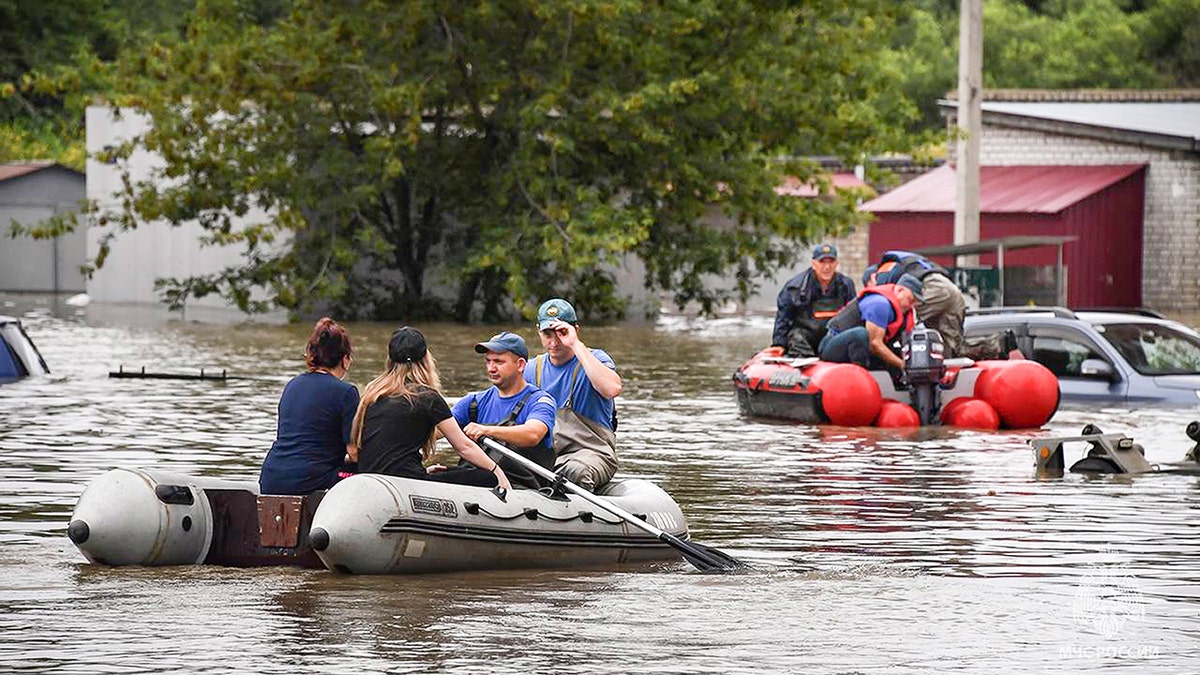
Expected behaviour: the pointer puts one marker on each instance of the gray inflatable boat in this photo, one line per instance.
(372, 524)
(366, 524)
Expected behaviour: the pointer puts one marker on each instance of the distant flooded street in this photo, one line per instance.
(871, 550)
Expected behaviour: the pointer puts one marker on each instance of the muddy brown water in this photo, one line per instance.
(871, 551)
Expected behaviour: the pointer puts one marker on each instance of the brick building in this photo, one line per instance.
(1160, 129)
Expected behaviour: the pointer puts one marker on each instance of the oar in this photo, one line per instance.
(705, 559)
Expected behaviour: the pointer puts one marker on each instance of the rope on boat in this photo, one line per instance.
(533, 514)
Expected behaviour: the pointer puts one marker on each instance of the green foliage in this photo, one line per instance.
(1050, 44)
(1089, 45)
(525, 148)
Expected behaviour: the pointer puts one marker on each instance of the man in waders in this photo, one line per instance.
(584, 383)
(511, 411)
(807, 301)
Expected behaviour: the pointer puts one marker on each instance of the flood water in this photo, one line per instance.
(870, 551)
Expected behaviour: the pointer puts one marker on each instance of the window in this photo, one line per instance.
(1155, 349)
(1063, 351)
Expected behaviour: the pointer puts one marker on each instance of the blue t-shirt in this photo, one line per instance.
(316, 412)
(583, 397)
(492, 408)
(875, 308)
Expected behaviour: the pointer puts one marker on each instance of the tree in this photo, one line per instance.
(520, 148)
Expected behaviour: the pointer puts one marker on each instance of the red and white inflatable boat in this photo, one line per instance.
(1016, 394)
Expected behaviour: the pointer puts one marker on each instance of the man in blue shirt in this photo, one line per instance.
(511, 411)
(862, 331)
(944, 307)
(584, 383)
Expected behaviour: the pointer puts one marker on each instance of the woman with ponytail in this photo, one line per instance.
(401, 413)
(316, 412)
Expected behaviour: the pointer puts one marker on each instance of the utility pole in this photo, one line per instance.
(969, 126)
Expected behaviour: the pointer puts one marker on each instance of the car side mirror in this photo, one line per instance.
(1097, 368)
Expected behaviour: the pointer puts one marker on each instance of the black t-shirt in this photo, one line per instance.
(395, 428)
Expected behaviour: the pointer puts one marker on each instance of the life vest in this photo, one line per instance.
(907, 263)
(850, 316)
(821, 307)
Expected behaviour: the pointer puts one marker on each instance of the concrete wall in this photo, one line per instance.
(152, 250)
(47, 265)
(1172, 201)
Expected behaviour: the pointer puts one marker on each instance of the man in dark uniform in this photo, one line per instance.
(807, 301)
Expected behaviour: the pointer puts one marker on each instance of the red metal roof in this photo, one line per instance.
(792, 187)
(8, 171)
(1004, 189)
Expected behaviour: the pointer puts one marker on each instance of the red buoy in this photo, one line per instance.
(970, 413)
(1024, 393)
(850, 397)
(948, 409)
(894, 414)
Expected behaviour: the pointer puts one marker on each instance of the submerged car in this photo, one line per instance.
(1102, 355)
(18, 357)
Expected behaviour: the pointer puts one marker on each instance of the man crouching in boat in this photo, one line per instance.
(511, 411)
(863, 329)
(584, 383)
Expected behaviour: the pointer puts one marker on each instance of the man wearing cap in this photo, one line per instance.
(511, 411)
(863, 329)
(807, 301)
(944, 307)
(583, 382)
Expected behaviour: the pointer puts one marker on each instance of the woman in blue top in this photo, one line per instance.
(316, 412)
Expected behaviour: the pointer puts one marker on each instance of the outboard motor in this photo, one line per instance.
(924, 365)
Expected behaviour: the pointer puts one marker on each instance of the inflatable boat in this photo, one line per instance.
(1010, 394)
(372, 524)
(366, 524)
(140, 517)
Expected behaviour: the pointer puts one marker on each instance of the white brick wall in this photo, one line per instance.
(1171, 248)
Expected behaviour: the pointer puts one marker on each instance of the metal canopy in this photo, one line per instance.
(1005, 243)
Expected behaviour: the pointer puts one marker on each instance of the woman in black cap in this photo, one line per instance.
(315, 414)
(401, 412)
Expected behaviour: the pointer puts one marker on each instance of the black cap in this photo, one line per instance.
(407, 345)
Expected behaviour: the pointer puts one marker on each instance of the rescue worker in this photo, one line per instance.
(807, 301)
(944, 307)
(583, 382)
(511, 411)
(863, 330)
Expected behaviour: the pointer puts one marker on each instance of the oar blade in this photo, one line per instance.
(704, 558)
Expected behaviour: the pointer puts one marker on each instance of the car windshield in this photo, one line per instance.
(1155, 349)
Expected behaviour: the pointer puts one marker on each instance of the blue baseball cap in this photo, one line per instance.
(913, 284)
(822, 251)
(555, 309)
(504, 342)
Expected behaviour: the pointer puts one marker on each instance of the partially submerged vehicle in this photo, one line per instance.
(1104, 356)
(1104, 453)
(18, 356)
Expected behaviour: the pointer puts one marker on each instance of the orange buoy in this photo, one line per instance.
(849, 395)
(970, 413)
(1024, 393)
(894, 414)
